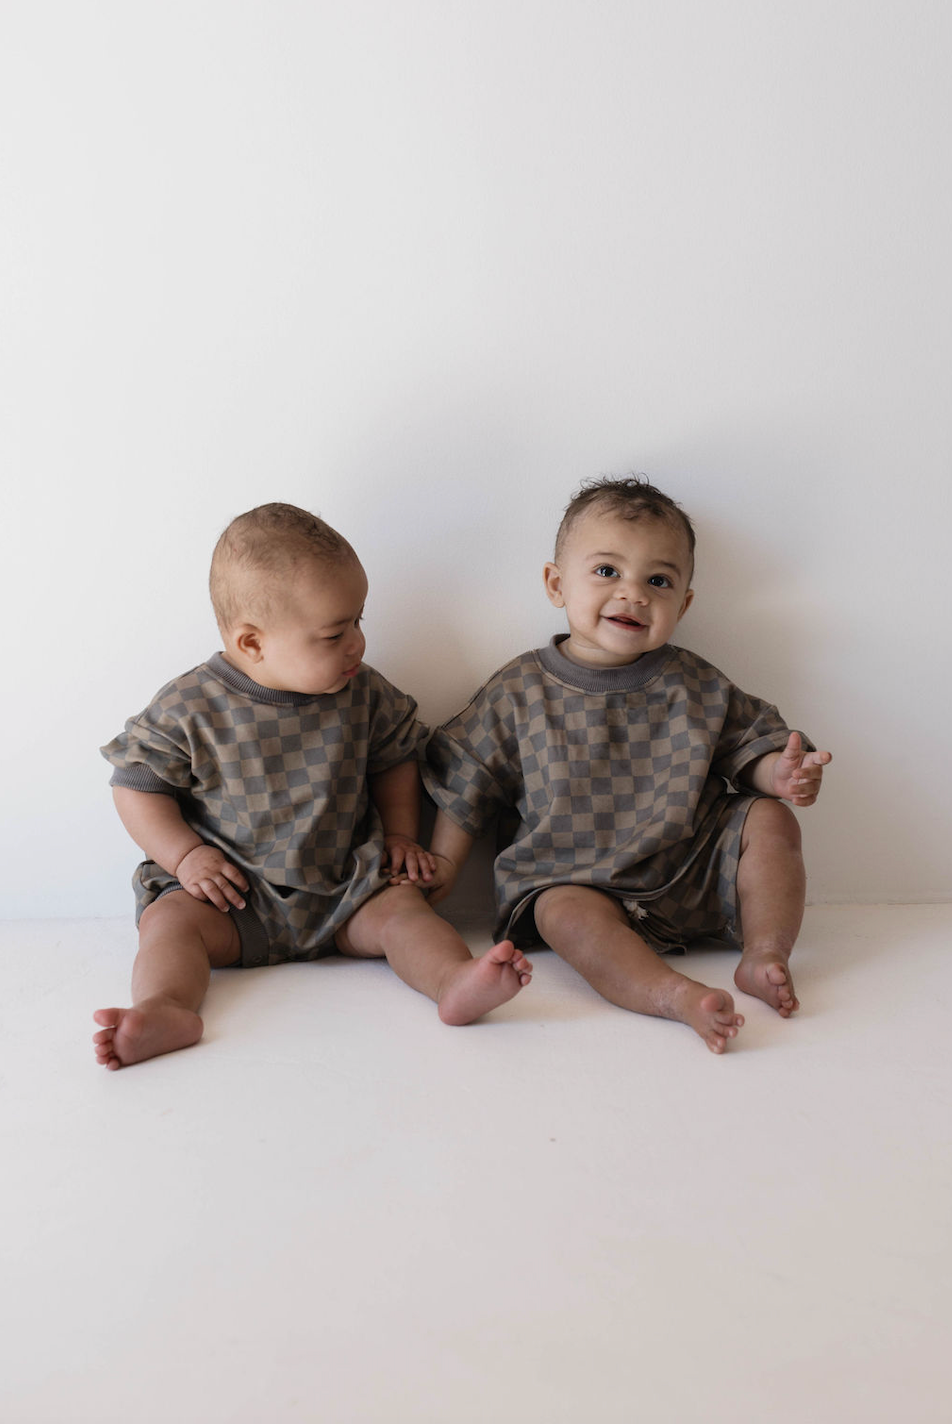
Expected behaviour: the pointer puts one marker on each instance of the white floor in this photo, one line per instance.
(336, 1209)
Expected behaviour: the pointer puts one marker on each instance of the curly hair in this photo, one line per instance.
(259, 553)
(631, 497)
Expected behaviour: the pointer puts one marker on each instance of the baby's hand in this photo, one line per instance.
(401, 854)
(797, 774)
(206, 874)
(444, 878)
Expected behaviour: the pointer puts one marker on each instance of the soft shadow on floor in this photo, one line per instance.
(583, 1197)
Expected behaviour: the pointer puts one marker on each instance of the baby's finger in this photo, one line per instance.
(410, 866)
(212, 893)
(793, 750)
(221, 894)
(235, 876)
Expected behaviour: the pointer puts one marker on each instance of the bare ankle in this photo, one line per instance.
(770, 947)
(152, 1003)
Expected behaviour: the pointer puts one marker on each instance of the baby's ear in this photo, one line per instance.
(247, 640)
(553, 585)
(688, 600)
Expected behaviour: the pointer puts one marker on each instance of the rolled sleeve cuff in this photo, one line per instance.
(140, 778)
(733, 767)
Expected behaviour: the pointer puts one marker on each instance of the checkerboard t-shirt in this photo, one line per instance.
(618, 777)
(278, 781)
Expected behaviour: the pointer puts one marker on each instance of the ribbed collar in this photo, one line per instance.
(274, 696)
(630, 678)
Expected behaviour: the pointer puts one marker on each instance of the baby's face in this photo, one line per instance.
(313, 642)
(624, 585)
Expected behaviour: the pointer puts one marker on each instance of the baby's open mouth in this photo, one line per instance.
(625, 622)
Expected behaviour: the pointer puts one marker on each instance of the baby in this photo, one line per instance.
(610, 748)
(275, 791)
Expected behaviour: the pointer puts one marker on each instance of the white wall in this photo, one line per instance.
(423, 267)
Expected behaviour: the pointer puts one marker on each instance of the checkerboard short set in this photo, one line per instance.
(619, 780)
(278, 781)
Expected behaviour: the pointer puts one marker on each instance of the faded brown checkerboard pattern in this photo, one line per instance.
(623, 790)
(279, 785)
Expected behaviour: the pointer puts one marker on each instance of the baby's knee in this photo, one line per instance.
(571, 907)
(180, 917)
(397, 902)
(369, 929)
(769, 819)
(176, 910)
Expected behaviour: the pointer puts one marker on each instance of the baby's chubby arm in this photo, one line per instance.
(792, 775)
(450, 847)
(396, 795)
(156, 824)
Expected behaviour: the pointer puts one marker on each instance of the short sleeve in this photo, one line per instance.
(395, 733)
(751, 729)
(474, 764)
(461, 784)
(146, 759)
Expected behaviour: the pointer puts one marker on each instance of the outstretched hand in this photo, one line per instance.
(797, 774)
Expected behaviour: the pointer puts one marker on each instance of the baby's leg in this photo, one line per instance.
(590, 930)
(771, 888)
(429, 955)
(180, 938)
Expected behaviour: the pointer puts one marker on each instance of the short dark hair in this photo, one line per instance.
(631, 497)
(260, 551)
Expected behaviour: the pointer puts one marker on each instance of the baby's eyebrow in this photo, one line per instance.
(659, 563)
(341, 622)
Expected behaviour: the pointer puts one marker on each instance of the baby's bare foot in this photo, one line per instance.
(766, 975)
(131, 1035)
(478, 985)
(710, 1012)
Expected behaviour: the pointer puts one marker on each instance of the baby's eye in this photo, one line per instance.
(660, 581)
(606, 571)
